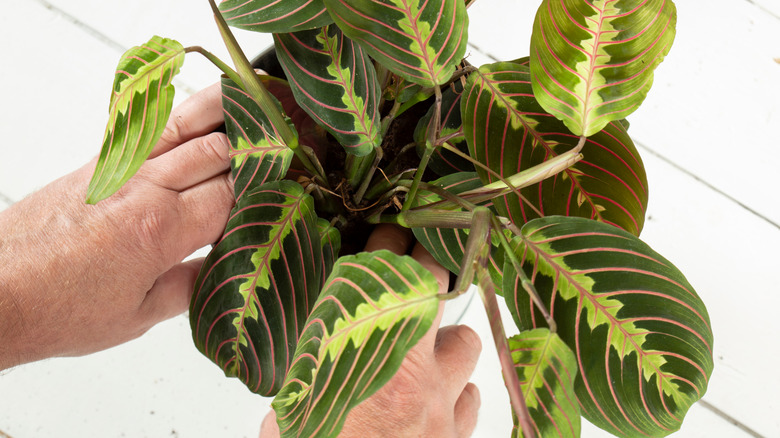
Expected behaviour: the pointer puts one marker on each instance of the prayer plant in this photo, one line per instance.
(519, 177)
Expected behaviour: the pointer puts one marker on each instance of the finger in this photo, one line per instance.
(170, 294)
(467, 410)
(442, 275)
(196, 116)
(390, 237)
(457, 351)
(191, 163)
(269, 428)
(205, 209)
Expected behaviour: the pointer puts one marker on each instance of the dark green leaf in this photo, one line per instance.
(374, 308)
(641, 335)
(258, 285)
(546, 368)
(334, 81)
(257, 153)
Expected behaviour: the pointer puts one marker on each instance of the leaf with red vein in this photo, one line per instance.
(275, 15)
(420, 40)
(258, 286)
(592, 62)
(374, 308)
(546, 368)
(335, 82)
(641, 335)
(508, 131)
(141, 102)
(257, 152)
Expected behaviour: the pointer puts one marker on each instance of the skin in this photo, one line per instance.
(81, 278)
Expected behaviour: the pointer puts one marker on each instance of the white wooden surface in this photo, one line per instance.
(705, 132)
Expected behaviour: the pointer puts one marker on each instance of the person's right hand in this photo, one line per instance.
(430, 395)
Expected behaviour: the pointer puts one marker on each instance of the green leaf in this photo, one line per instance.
(641, 335)
(546, 368)
(508, 131)
(257, 152)
(592, 62)
(274, 15)
(421, 41)
(141, 101)
(335, 82)
(374, 308)
(258, 285)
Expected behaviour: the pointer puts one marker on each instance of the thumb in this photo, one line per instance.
(269, 428)
(170, 294)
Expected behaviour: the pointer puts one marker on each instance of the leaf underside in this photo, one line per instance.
(592, 62)
(640, 333)
(374, 308)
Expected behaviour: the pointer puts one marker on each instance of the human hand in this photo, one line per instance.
(79, 278)
(430, 395)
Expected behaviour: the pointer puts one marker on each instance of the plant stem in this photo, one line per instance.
(426, 218)
(232, 74)
(356, 167)
(433, 132)
(476, 256)
(511, 380)
(252, 85)
(366, 180)
(528, 286)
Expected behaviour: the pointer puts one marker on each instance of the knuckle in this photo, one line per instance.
(154, 226)
(468, 338)
(215, 148)
(404, 393)
(174, 128)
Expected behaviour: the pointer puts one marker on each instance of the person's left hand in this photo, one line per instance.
(79, 278)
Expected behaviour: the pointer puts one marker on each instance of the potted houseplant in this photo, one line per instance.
(518, 176)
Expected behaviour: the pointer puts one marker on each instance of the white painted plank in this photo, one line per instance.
(55, 104)
(190, 23)
(727, 255)
(715, 104)
(771, 7)
(156, 386)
